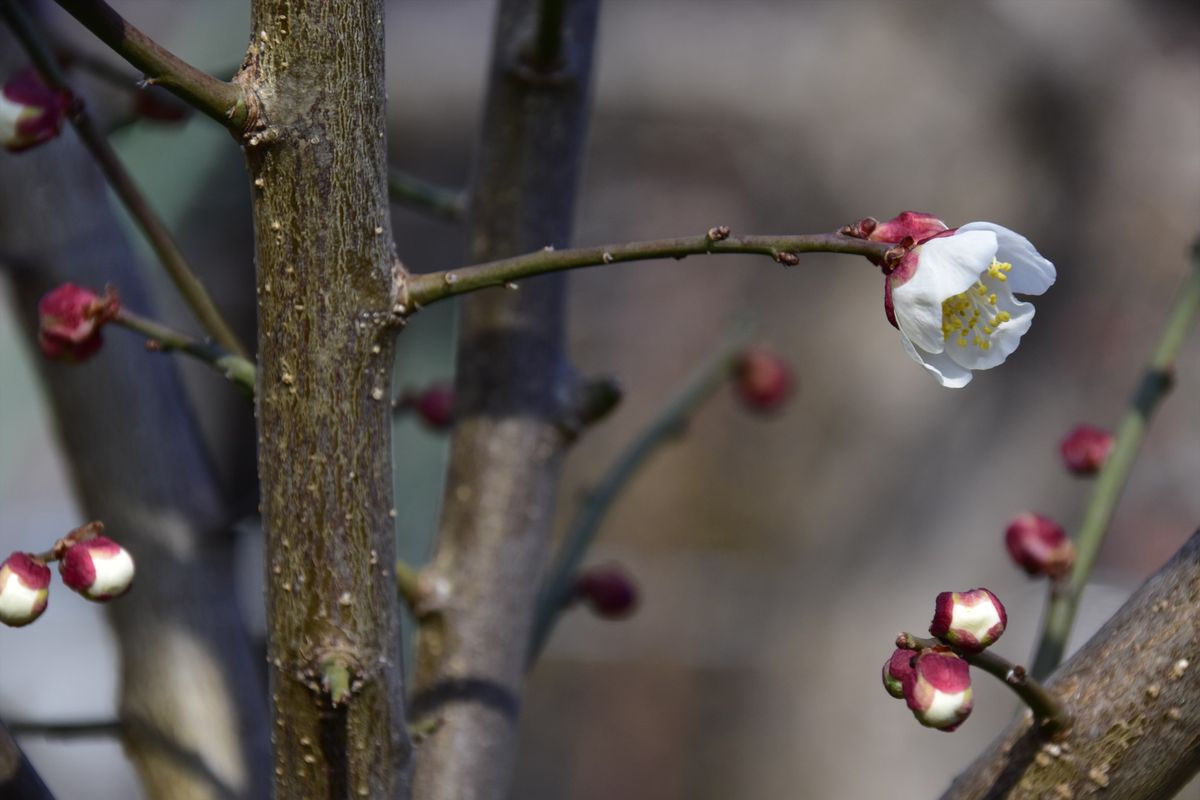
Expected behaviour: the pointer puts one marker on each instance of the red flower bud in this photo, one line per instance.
(938, 690)
(435, 406)
(608, 590)
(24, 589)
(970, 621)
(1085, 449)
(69, 321)
(30, 111)
(763, 380)
(1040, 546)
(913, 225)
(99, 568)
(898, 669)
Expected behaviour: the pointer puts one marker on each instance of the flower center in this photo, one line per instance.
(971, 318)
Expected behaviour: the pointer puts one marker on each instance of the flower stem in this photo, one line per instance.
(72, 729)
(586, 523)
(236, 368)
(1049, 712)
(422, 195)
(1156, 381)
(135, 202)
(433, 286)
(223, 101)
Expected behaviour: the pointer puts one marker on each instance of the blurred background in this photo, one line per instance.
(777, 557)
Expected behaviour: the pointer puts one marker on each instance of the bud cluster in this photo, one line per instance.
(92, 565)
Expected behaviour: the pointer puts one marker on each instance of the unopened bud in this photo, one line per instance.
(1085, 449)
(608, 590)
(24, 589)
(99, 568)
(898, 669)
(763, 380)
(914, 225)
(69, 321)
(30, 111)
(938, 691)
(435, 406)
(970, 621)
(1040, 546)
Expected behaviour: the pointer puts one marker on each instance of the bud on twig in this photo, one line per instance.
(1085, 449)
(24, 589)
(69, 321)
(938, 690)
(98, 568)
(608, 590)
(762, 379)
(896, 670)
(1040, 546)
(971, 620)
(30, 111)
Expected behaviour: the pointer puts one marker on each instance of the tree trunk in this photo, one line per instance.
(507, 448)
(326, 267)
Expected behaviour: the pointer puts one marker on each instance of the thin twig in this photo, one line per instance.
(591, 514)
(224, 101)
(420, 194)
(135, 202)
(433, 286)
(1051, 715)
(1155, 383)
(238, 369)
(69, 729)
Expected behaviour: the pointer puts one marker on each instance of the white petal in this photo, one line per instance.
(113, 574)
(1031, 272)
(1006, 338)
(10, 115)
(946, 267)
(948, 373)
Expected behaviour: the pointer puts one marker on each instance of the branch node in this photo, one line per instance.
(787, 258)
(718, 234)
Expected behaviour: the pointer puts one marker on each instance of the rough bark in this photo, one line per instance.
(196, 717)
(507, 448)
(325, 271)
(1134, 693)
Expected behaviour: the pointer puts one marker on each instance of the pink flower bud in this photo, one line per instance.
(896, 670)
(99, 568)
(913, 225)
(1040, 546)
(69, 321)
(763, 380)
(1085, 449)
(435, 406)
(30, 111)
(24, 589)
(970, 621)
(608, 590)
(938, 690)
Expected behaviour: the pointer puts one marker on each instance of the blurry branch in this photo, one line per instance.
(74, 729)
(427, 288)
(585, 525)
(422, 195)
(224, 101)
(547, 51)
(1133, 694)
(122, 183)
(161, 338)
(1156, 381)
(18, 779)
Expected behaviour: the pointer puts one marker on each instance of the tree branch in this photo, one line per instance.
(430, 287)
(508, 441)
(236, 368)
(1155, 383)
(1133, 694)
(421, 195)
(585, 525)
(223, 101)
(123, 185)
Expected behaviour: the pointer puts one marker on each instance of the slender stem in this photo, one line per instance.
(433, 286)
(1051, 715)
(71, 729)
(408, 586)
(591, 514)
(1155, 383)
(223, 101)
(119, 179)
(548, 43)
(420, 194)
(236, 368)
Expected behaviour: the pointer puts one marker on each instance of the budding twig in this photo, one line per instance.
(135, 202)
(591, 514)
(1152, 388)
(433, 286)
(236, 368)
(1052, 717)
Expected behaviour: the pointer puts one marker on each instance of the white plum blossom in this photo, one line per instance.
(952, 296)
